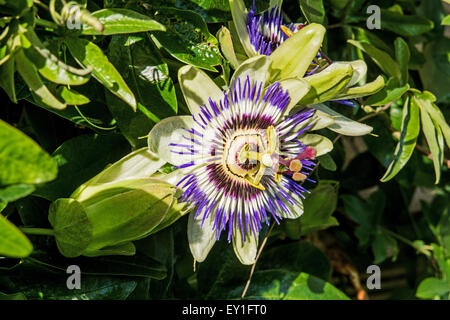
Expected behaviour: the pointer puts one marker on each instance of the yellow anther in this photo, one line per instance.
(295, 165)
(253, 183)
(298, 177)
(287, 31)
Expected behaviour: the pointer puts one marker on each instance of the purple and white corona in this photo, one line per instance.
(248, 160)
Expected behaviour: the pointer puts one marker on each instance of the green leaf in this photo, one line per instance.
(436, 68)
(81, 158)
(408, 138)
(92, 288)
(283, 285)
(402, 55)
(187, 38)
(319, 206)
(93, 115)
(13, 243)
(136, 266)
(299, 256)
(392, 91)
(29, 74)
(380, 57)
(90, 55)
(446, 20)
(13, 296)
(430, 288)
(22, 160)
(383, 246)
(358, 210)
(403, 25)
(433, 136)
(73, 230)
(148, 76)
(313, 10)
(437, 116)
(71, 97)
(14, 192)
(327, 162)
(7, 79)
(48, 65)
(116, 21)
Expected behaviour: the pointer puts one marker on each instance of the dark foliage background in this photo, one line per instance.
(352, 220)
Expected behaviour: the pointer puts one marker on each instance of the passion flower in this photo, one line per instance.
(242, 158)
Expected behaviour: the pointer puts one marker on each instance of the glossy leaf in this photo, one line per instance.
(29, 74)
(408, 138)
(13, 243)
(392, 91)
(402, 55)
(432, 134)
(381, 58)
(187, 38)
(116, 21)
(405, 25)
(430, 288)
(22, 160)
(313, 10)
(7, 79)
(90, 55)
(148, 77)
(48, 65)
(79, 159)
(282, 285)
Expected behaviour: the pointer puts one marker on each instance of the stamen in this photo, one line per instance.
(297, 176)
(295, 165)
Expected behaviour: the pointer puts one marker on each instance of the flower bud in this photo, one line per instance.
(107, 213)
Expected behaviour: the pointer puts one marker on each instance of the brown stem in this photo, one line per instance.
(256, 260)
(429, 155)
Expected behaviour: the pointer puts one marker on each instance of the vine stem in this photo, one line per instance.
(256, 261)
(38, 231)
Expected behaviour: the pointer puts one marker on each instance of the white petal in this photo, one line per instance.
(246, 252)
(167, 131)
(256, 68)
(343, 125)
(201, 238)
(239, 13)
(197, 88)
